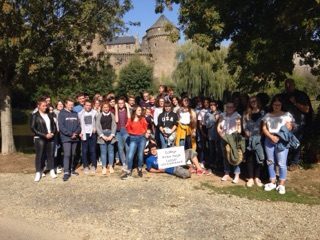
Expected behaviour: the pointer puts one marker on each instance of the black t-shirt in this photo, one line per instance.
(167, 119)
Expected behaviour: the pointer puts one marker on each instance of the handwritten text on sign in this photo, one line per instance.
(171, 157)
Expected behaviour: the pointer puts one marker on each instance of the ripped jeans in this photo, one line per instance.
(275, 157)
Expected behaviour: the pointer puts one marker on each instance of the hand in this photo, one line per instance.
(74, 136)
(274, 139)
(81, 135)
(116, 106)
(49, 135)
(289, 125)
(105, 138)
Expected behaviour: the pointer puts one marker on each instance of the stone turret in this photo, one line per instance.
(163, 50)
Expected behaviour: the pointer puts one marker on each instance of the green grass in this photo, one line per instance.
(259, 194)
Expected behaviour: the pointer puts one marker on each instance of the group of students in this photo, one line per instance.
(243, 130)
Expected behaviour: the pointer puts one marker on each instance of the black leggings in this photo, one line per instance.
(253, 167)
(44, 151)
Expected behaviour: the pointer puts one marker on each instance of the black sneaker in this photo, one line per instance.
(140, 173)
(126, 176)
(66, 177)
(74, 173)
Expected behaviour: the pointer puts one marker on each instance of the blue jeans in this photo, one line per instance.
(122, 136)
(226, 165)
(89, 145)
(137, 144)
(164, 142)
(107, 148)
(273, 157)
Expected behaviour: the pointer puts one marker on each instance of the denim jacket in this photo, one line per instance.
(287, 139)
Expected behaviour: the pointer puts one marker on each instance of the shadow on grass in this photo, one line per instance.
(257, 193)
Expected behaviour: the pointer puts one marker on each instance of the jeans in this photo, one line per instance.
(136, 145)
(42, 147)
(69, 152)
(226, 165)
(163, 140)
(122, 136)
(107, 148)
(273, 157)
(89, 145)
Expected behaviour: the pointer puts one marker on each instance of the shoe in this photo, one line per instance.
(66, 177)
(53, 174)
(225, 178)
(74, 173)
(126, 176)
(293, 167)
(93, 170)
(250, 183)
(37, 177)
(258, 182)
(104, 171)
(235, 180)
(140, 173)
(281, 189)
(86, 170)
(270, 186)
(111, 170)
(59, 170)
(99, 163)
(43, 174)
(202, 165)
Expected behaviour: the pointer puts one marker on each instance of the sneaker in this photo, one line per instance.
(53, 174)
(250, 183)
(111, 170)
(99, 162)
(74, 173)
(86, 170)
(43, 174)
(126, 176)
(93, 170)
(270, 186)
(37, 177)
(258, 182)
(140, 173)
(202, 165)
(104, 171)
(281, 189)
(59, 170)
(66, 177)
(225, 178)
(235, 180)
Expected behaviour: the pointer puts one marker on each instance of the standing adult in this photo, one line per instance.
(44, 128)
(81, 98)
(144, 102)
(157, 112)
(167, 122)
(136, 127)
(273, 123)
(88, 136)
(69, 126)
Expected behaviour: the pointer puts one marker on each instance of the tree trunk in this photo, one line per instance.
(7, 145)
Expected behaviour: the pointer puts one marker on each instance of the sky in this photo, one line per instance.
(143, 12)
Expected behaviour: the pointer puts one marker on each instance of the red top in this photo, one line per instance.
(137, 128)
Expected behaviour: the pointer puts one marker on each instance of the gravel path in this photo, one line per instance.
(161, 207)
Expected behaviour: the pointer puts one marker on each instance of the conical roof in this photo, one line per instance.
(161, 22)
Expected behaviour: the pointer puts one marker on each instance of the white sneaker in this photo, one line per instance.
(53, 174)
(104, 171)
(59, 170)
(86, 170)
(281, 189)
(270, 186)
(37, 177)
(250, 183)
(111, 170)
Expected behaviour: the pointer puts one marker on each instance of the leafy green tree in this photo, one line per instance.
(201, 72)
(135, 77)
(41, 45)
(265, 34)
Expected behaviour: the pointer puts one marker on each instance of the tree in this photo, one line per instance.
(265, 34)
(202, 73)
(135, 77)
(41, 45)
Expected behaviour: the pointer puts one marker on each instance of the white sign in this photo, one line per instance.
(171, 157)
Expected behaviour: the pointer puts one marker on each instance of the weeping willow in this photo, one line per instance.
(202, 73)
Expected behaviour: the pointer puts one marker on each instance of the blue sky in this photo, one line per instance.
(143, 12)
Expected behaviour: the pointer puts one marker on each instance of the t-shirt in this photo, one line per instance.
(156, 114)
(274, 123)
(137, 128)
(167, 119)
(47, 121)
(229, 123)
(152, 162)
(201, 115)
(185, 117)
(88, 121)
(123, 118)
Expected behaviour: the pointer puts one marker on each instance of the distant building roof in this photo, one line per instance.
(161, 22)
(122, 40)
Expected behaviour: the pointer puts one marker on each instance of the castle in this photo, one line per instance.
(156, 49)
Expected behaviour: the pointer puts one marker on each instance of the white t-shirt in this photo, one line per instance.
(156, 114)
(185, 118)
(229, 123)
(88, 121)
(274, 123)
(47, 121)
(201, 115)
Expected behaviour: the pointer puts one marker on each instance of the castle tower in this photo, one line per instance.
(163, 50)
